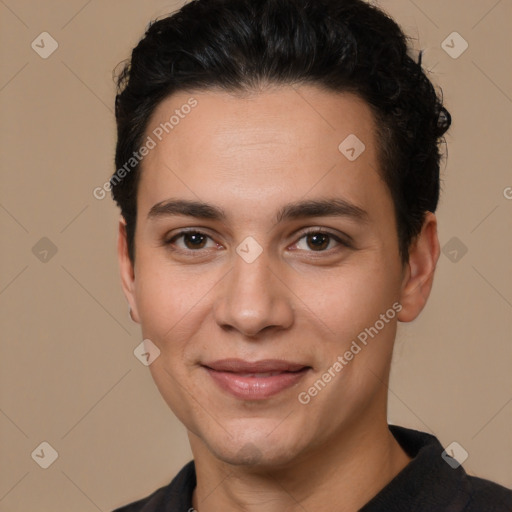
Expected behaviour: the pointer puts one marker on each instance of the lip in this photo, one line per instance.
(244, 379)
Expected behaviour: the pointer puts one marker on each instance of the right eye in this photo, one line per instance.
(193, 241)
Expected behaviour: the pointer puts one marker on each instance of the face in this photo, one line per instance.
(265, 254)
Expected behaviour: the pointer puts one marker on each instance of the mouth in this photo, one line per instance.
(255, 380)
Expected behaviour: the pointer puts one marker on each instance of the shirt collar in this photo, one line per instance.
(425, 483)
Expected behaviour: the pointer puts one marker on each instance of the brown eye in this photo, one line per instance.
(190, 241)
(194, 240)
(318, 241)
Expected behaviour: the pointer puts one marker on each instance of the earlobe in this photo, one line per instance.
(419, 274)
(127, 271)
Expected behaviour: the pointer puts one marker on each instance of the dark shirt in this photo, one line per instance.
(427, 484)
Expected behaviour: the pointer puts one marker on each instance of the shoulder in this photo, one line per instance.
(488, 496)
(148, 504)
(177, 495)
(434, 480)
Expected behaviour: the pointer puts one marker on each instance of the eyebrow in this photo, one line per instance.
(336, 207)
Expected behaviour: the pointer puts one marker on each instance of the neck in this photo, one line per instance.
(340, 476)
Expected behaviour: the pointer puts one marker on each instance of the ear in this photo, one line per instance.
(419, 271)
(127, 270)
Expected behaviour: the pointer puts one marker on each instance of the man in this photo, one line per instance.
(278, 174)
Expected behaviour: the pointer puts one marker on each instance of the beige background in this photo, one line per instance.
(68, 373)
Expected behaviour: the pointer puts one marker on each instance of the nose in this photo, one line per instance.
(252, 298)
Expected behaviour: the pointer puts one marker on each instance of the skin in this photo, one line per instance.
(251, 155)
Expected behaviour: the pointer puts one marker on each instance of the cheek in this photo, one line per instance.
(347, 308)
(349, 298)
(171, 301)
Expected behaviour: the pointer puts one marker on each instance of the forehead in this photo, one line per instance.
(279, 115)
(261, 147)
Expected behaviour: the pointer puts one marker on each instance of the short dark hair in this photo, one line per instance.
(337, 45)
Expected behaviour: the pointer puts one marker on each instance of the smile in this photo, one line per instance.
(255, 381)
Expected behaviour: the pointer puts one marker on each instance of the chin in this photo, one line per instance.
(257, 448)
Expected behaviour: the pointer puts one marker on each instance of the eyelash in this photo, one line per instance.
(312, 231)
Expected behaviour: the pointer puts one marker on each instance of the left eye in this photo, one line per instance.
(318, 241)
